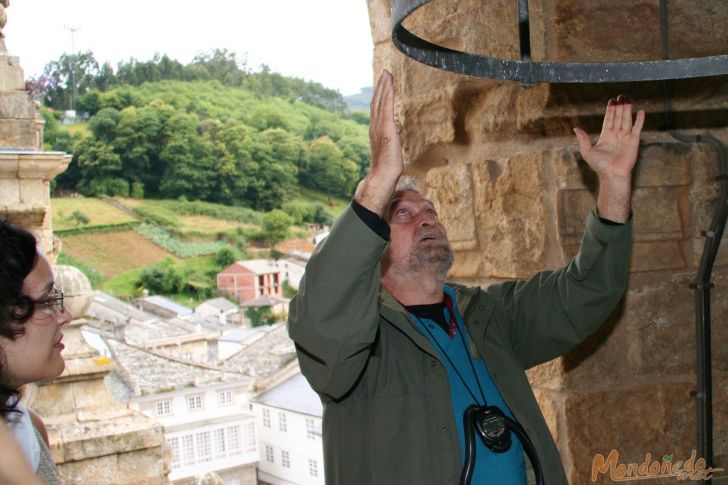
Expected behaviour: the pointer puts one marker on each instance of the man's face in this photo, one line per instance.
(418, 241)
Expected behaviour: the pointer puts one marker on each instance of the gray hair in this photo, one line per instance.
(408, 184)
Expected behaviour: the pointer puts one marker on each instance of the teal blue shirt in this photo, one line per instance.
(490, 468)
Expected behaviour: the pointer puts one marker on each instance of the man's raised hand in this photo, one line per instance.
(376, 189)
(614, 156)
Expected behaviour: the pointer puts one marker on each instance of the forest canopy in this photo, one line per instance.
(211, 130)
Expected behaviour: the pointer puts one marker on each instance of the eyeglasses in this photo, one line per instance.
(53, 303)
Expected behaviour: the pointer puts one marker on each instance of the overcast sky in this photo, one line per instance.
(328, 41)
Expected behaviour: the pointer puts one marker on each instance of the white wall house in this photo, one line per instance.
(292, 270)
(208, 429)
(289, 438)
(205, 412)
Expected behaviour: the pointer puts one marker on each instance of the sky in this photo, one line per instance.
(327, 41)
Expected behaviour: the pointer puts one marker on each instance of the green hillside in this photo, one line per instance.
(119, 241)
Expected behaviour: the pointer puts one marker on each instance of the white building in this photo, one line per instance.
(220, 308)
(292, 270)
(289, 434)
(205, 412)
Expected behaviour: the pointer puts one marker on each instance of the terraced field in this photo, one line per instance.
(113, 253)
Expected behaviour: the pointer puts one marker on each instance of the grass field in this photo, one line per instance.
(99, 212)
(334, 205)
(113, 253)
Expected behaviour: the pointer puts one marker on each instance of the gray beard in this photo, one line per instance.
(437, 255)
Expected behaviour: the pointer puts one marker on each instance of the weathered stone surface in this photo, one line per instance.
(582, 30)
(451, 190)
(140, 467)
(660, 327)
(647, 418)
(510, 215)
(552, 408)
(34, 192)
(16, 105)
(18, 133)
(9, 192)
(598, 362)
(11, 75)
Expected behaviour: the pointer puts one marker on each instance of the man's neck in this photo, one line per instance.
(419, 288)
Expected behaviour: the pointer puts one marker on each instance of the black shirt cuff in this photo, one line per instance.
(372, 220)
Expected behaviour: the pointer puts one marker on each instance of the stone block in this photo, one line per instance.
(649, 418)
(18, 133)
(552, 409)
(660, 326)
(54, 400)
(486, 109)
(596, 31)
(91, 471)
(33, 191)
(485, 28)
(11, 75)
(657, 255)
(432, 127)
(94, 439)
(8, 166)
(16, 105)
(598, 361)
(547, 376)
(658, 211)
(663, 165)
(450, 188)
(9, 192)
(511, 216)
(379, 20)
(143, 466)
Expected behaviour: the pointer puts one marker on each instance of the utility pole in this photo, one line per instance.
(74, 88)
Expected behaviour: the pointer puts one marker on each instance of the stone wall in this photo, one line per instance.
(503, 167)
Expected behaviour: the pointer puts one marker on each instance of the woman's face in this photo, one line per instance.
(36, 354)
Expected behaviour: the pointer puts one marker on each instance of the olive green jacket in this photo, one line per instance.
(388, 416)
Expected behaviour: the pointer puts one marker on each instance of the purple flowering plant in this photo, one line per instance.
(40, 87)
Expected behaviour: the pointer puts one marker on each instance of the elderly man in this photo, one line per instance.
(399, 357)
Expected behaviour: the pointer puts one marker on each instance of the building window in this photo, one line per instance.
(174, 446)
(266, 418)
(282, 426)
(249, 437)
(310, 428)
(163, 408)
(312, 467)
(233, 440)
(204, 450)
(269, 454)
(224, 398)
(218, 441)
(234, 481)
(188, 450)
(285, 459)
(194, 403)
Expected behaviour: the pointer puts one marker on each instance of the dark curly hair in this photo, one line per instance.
(18, 255)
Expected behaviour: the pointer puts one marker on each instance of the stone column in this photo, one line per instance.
(25, 170)
(503, 167)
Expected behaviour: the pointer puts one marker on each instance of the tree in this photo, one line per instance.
(260, 316)
(225, 257)
(73, 75)
(163, 278)
(275, 226)
(328, 170)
